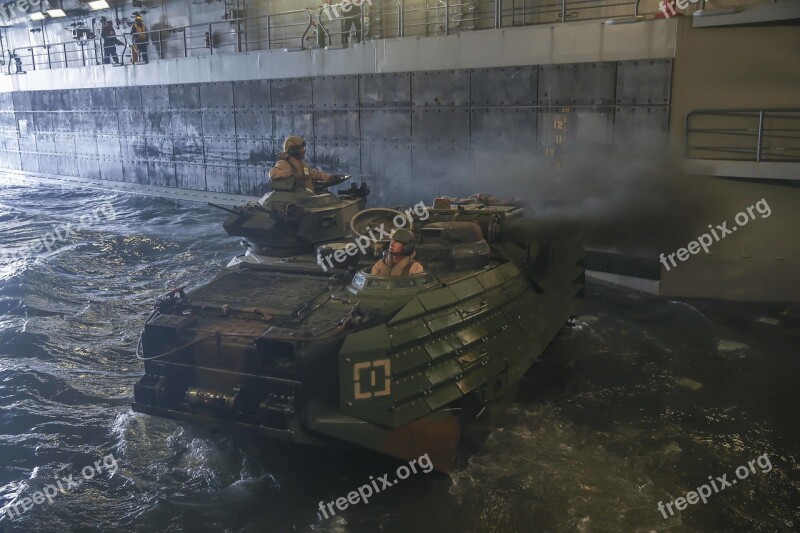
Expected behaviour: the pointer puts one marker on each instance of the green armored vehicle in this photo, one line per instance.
(296, 340)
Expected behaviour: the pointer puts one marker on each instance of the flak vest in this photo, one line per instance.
(140, 33)
(400, 269)
(304, 174)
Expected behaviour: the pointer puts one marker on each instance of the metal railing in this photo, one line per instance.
(301, 29)
(80, 53)
(760, 135)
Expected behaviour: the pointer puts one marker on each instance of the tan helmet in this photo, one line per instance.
(293, 142)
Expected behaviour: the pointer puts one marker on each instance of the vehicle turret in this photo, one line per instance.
(290, 220)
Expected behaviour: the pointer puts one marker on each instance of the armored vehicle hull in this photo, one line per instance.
(281, 346)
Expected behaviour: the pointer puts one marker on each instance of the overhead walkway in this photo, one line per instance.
(304, 29)
(746, 15)
(744, 143)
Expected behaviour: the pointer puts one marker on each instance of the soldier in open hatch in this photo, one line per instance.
(399, 259)
(291, 164)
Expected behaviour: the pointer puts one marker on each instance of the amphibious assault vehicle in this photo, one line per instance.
(286, 343)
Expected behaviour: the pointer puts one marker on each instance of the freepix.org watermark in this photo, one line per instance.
(61, 233)
(705, 240)
(719, 484)
(682, 4)
(365, 491)
(63, 485)
(21, 8)
(332, 10)
(364, 242)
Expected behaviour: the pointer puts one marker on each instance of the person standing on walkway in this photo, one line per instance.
(352, 18)
(140, 41)
(110, 42)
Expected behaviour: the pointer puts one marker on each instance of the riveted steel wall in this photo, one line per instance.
(333, 92)
(448, 125)
(641, 127)
(254, 123)
(157, 130)
(293, 93)
(588, 127)
(503, 127)
(337, 125)
(581, 84)
(81, 99)
(385, 90)
(644, 82)
(216, 95)
(641, 118)
(334, 156)
(254, 118)
(407, 134)
(386, 125)
(385, 122)
(440, 88)
(254, 94)
(387, 168)
(218, 123)
(293, 122)
(188, 153)
(505, 86)
(9, 142)
(6, 102)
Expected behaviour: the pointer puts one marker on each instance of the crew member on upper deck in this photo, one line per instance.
(399, 259)
(291, 164)
(140, 41)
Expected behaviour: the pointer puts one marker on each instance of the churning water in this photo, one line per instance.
(637, 404)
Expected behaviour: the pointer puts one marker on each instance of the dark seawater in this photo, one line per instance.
(639, 403)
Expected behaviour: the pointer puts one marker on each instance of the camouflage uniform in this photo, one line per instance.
(390, 266)
(405, 267)
(292, 166)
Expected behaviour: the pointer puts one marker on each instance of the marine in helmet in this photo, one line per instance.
(399, 259)
(291, 164)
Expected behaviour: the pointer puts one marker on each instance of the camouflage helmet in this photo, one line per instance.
(406, 237)
(403, 235)
(293, 142)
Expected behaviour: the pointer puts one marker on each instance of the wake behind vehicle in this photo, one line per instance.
(279, 345)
